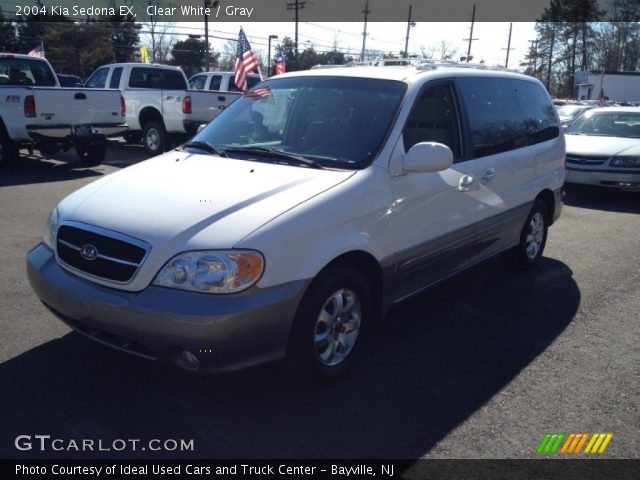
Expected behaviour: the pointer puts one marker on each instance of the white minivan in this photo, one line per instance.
(289, 225)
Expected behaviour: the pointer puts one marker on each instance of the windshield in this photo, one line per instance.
(609, 124)
(339, 122)
(570, 110)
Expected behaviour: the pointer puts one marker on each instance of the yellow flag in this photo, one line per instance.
(144, 55)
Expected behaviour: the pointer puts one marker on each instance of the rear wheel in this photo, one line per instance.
(533, 237)
(9, 150)
(154, 138)
(91, 154)
(331, 325)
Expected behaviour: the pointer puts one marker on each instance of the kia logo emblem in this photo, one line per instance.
(89, 252)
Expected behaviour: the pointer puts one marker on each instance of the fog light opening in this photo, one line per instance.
(188, 360)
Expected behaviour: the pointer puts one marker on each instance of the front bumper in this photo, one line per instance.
(224, 332)
(621, 180)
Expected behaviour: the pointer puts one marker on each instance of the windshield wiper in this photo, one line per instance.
(272, 152)
(206, 146)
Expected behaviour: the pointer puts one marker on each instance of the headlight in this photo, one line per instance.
(212, 271)
(49, 237)
(625, 162)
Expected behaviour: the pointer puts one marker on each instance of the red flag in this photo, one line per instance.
(246, 61)
(280, 65)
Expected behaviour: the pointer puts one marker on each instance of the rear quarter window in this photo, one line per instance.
(540, 119)
(495, 117)
(19, 71)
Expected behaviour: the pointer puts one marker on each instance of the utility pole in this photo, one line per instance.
(366, 12)
(506, 63)
(471, 39)
(297, 6)
(206, 35)
(409, 25)
(553, 38)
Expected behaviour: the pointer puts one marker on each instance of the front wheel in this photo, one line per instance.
(154, 138)
(533, 238)
(331, 325)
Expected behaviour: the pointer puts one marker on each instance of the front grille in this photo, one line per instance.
(586, 159)
(115, 259)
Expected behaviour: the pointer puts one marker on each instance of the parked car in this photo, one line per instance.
(603, 148)
(220, 84)
(290, 224)
(159, 105)
(37, 113)
(568, 113)
(66, 80)
(221, 81)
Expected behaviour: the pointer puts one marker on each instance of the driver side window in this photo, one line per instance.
(434, 119)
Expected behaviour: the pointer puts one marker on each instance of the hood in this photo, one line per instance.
(601, 146)
(181, 201)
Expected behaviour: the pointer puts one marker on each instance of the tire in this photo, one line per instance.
(533, 238)
(326, 338)
(154, 138)
(91, 155)
(9, 150)
(133, 138)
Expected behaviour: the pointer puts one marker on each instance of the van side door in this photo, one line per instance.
(434, 213)
(503, 117)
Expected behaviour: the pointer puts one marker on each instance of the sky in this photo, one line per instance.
(386, 36)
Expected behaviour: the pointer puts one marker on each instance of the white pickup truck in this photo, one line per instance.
(219, 84)
(158, 102)
(36, 112)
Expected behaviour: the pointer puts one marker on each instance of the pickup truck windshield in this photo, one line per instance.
(25, 72)
(339, 122)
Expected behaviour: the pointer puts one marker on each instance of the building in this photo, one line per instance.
(617, 86)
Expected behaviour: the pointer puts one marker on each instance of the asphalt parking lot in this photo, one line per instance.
(479, 367)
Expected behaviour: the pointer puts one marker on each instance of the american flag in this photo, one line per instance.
(246, 61)
(280, 65)
(258, 93)
(37, 51)
(601, 99)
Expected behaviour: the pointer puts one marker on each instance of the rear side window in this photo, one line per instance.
(145, 77)
(98, 79)
(494, 115)
(18, 71)
(540, 120)
(216, 81)
(252, 81)
(114, 82)
(174, 80)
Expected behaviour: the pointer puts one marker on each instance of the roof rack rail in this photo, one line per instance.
(432, 65)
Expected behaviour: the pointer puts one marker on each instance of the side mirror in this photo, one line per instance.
(427, 157)
(201, 127)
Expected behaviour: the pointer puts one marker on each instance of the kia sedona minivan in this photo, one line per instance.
(288, 226)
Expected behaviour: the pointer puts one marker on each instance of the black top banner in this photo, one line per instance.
(277, 10)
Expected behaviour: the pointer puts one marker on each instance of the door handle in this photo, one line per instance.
(222, 99)
(466, 182)
(488, 175)
(80, 96)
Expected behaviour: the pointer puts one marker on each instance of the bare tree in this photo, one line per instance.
(159, 35)
(446, 51)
